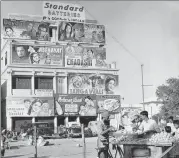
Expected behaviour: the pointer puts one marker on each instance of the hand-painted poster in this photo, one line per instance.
(21, 29)
(110, 103)
(81, 33)
(92, 84)
(76, 56)
(83, 105)
(57, 11)
(30, 107)
(37, 55)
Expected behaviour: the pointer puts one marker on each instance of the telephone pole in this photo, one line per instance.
(143, 86)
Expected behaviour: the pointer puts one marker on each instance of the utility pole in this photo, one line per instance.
(142, 87)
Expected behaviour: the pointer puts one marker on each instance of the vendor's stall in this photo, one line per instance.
(156, 146)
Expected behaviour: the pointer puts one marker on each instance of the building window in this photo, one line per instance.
(43, 83)
(21, 82)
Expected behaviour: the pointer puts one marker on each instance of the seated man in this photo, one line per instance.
(147, 124)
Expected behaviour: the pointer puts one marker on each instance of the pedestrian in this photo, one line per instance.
(3, 139)
(103, 135)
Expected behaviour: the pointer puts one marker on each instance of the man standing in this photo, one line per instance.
(147, 124)
(103, 135)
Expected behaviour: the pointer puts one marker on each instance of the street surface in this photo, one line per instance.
(58, 148)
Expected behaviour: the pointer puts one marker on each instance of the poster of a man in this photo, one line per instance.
(20, 54)
(42, 33)
(96, 81)
(30, 31)
(78, 30)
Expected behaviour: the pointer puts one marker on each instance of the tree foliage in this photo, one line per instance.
(169, 94)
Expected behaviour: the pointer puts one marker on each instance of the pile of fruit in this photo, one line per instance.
(160, 138)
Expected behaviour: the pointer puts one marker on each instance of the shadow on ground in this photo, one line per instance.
(13, 156)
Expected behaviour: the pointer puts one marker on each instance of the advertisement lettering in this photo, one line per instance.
(57, 11)
(76, 56)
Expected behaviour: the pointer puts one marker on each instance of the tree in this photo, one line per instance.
(169, 95)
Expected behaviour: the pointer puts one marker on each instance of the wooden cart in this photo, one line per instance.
(145, 149)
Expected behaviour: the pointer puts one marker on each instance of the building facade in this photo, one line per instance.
(47, 78)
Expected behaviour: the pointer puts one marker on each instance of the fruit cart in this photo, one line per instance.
(143, 149)
(134, 147)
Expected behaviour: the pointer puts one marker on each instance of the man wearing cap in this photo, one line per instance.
(103, 135)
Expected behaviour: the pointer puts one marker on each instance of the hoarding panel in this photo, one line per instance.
(110, 103)
(77, 56)
(83, 105)
(41, 55)
(30, 107)
(81, 33)
(22, 29)
(92, 84)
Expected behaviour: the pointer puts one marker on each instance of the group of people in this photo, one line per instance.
(6, 135)
(40, 34)
(76, 33)
(141, 125)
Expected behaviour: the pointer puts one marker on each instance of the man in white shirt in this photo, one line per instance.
(147, 124)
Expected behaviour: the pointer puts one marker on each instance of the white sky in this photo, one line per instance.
(149, 29)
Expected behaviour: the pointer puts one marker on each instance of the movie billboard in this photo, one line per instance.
(83, 105)
(30, 107)
(77, 56)
(92, 84)
(111, 103)
(57, 11)
(41, 55)
(21, 29)
(81, 33)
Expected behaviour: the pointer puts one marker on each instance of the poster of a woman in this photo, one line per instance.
(110, 84)
(67, 33)
(35, 107)
(89, 107)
